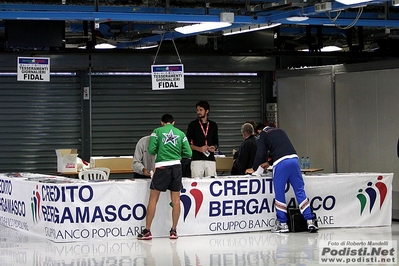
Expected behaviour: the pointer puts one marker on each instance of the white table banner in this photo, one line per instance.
(64, 209)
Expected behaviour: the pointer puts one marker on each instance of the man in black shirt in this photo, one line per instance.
(202, 135)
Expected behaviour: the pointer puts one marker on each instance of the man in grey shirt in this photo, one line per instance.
(143, 162)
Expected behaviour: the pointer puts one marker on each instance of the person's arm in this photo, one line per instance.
(215, 139)
(139, 168)
(190, 138)
(240, 160)
(138, 165)
(152, 144)
(186, 148)
(265, 165)
(261, 152)
(197, 148)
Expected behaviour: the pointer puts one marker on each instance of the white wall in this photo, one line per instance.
(304, 107)
(368, 124)
(350, 124)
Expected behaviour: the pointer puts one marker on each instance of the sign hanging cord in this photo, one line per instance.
(159, 47)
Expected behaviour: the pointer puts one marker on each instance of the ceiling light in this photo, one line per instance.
(297, 19)
(146, 46)
(204, 26)
(101, 46)
(105, 46)
(329, 48)
(249, 28)
(352, 2)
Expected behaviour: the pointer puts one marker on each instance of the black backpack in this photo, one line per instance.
(296, 221)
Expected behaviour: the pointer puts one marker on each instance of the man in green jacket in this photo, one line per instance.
(170, 145)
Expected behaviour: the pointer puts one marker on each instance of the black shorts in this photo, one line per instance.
(167, 177)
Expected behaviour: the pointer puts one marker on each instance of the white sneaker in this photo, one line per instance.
(312, 226)
(280, 227)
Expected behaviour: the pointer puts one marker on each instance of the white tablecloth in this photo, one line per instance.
(64, 210)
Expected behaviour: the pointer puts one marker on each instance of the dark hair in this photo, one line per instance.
(167, 118)
(203, 104)
(252, 123)
(260, 126)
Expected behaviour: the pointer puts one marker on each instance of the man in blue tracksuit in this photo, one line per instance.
(286, 169)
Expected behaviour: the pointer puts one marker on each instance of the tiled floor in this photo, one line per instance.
(244, 249)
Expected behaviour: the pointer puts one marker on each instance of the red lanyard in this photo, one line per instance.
(203, 131)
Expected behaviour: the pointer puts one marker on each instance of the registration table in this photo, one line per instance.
(311, 170)
(65, 209)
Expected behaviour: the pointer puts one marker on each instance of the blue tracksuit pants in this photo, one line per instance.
(288, 171)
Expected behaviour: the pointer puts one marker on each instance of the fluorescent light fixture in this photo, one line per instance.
(395, 3)
(105, 46)
(204, 26)
(352, 2)
(330, 48)
(146, 46)
(101, 46)
(250, 28)
(297, 18)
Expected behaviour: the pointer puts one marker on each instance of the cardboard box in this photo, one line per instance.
(66, 160)
(113, 163)
(224, 164)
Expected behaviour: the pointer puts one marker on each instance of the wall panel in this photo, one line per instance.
(367, 124)
(305, 112)
(364, 113)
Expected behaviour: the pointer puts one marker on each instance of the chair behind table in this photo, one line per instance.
(104, 169)
(92, 174)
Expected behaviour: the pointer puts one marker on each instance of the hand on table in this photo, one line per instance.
(265, 165)
(249, 171)
(146, 172)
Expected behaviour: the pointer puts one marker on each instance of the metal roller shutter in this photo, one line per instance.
(37, 118)
(125, 108)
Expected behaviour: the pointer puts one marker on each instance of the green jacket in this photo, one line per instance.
(170, 144)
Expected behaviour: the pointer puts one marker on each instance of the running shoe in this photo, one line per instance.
(312, 226)
(280, 228)
(145, 235)
(173, 234)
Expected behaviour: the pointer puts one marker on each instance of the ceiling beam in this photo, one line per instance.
(137, 17)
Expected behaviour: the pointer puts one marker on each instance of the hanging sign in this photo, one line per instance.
(167, 77)
(33, 69)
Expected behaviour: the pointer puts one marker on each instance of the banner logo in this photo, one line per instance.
(370, 194)
(187, 201)
(35, 205)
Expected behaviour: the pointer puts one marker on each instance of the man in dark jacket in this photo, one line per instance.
(247, 151)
